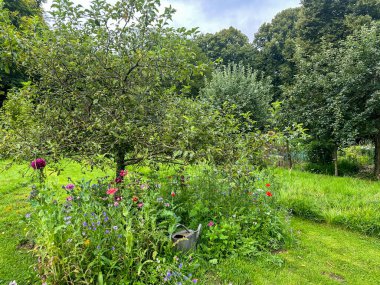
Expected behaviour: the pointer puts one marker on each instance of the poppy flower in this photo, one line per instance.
(135, 198)
(269, 194)
(267, 185)
(172, 194)
(112, 191)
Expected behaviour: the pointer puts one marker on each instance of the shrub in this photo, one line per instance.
(118, 230)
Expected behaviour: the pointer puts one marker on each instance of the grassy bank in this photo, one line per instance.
(344, 201)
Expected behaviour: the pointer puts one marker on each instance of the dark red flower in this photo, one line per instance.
(269, 194)
(118, 179)
(135, 198)
(173, 194)
(38, 163)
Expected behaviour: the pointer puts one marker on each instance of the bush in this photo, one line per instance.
(118, 231)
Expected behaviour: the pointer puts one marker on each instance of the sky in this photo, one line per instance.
(211, 16)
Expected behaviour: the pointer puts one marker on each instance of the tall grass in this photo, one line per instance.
(350, 202)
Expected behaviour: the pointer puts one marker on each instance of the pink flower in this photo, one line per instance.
(112, 191)
(118, 198)
(210, 223)
(69, 186)
(167, 205)
(116, 204)
(70, 198)
(123, 173)
(173, 194)
(140, 205)
(38, 163)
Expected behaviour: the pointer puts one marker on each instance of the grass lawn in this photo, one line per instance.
(323, 254)
(349, 202)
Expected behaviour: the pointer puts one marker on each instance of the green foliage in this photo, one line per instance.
(99, 232)
(228, 45)
(242, 87)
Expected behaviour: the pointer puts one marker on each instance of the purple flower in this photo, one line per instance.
(85, 224)
(28, 215)
(38, 163)
(195, 280)
(115, 228)
(180, 266)
(107, 231)
(69, 186)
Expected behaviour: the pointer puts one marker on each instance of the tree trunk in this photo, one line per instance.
(289, 155)
(377, 156)
(335, 158)
(120, 159)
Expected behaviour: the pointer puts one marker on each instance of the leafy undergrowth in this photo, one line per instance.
(348, 202)
(15, 261)
(324, 255)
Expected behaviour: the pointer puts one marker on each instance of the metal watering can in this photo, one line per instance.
(186, 239)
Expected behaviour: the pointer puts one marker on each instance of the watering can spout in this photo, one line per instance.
(199, 231)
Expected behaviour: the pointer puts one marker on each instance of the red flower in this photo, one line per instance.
(112, 191)
(173, 194)
(267, 185)
(135, 198)
(269, 194)
(123, 173)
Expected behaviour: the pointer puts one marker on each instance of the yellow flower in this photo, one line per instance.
(87, 242)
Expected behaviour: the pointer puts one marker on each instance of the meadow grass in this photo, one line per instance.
(349, 202)
(15, 182)
(324, 255)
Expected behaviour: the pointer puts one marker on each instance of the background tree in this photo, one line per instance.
(238, 85)
(230, 45)
(275, 47)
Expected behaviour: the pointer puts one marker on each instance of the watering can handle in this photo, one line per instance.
(180, 225)
(199, 231)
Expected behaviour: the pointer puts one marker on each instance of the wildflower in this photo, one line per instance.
(144, 186)
(135, 198)
(210, 223)
(70, 198)
(173, 194)
(269, 194)
(38, 163)
(115, 228)
(69, 186)
(85, 224)
(140, 205)
(118, 179)
(123, 173)
(195, 280)
(116, 204)
(112, 191)
(160, 199)
(113, 248)
(87, 242)
(107, 231)
(118, 198)
(13, 282)
(267, 185)
(180, 265)
(28, 215)
(167, 205)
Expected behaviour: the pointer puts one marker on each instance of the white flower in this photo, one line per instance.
(13, 282)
